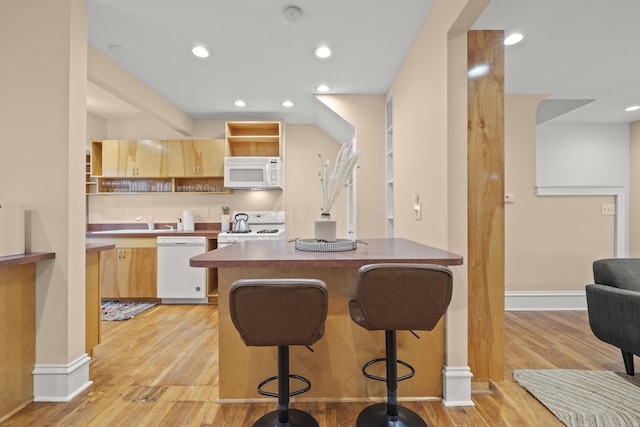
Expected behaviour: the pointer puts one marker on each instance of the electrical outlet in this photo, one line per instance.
(205, 213)
(509, 198)
(608, 209)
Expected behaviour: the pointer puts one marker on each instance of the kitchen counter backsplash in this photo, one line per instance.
(199, 226)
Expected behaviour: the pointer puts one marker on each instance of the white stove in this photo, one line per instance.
(263, 225)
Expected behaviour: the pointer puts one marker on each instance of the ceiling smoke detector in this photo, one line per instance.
(293, 14)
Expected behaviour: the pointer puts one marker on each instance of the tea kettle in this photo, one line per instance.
(240, 224)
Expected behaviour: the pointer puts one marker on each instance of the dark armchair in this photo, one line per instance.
(613, 304)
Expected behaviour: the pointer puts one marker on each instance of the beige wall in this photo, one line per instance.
(42, 158)
(634, 190)
(550, 241)
(366, 113)
(303, 189)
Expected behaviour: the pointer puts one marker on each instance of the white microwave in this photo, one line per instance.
(253, 173)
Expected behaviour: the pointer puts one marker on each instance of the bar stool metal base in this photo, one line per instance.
(377, 416)
(297, 418)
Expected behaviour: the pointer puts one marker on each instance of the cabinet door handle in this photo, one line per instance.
(198, 170)
(124, 253)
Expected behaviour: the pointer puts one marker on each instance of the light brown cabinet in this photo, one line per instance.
(159, 166)
(196, 157)
(92, 302)
(257, 138)
(139, 158)
(129, 272)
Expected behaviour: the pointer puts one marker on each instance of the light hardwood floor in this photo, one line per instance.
(160, 369)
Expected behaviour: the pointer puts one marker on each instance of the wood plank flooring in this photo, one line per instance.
(160, 369)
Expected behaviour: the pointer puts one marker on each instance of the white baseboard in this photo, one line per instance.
(456, 386)
(61, 383)
(543, 301)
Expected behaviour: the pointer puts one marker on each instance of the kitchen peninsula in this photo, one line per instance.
(18, 329)
(334, 366)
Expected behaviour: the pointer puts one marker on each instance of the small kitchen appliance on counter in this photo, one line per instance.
(188, 219)
(260, 225)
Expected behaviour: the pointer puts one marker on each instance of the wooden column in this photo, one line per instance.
(486, 204)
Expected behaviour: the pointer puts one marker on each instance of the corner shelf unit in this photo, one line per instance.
(255, 139)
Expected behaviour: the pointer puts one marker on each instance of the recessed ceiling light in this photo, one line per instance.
(287, 104)
(323, 88)
(513, 39)
(323, 51)
(200, 51)
(632, 108)
(240, 103)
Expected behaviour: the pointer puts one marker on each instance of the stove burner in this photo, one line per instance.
(275, 230)
(240, 232)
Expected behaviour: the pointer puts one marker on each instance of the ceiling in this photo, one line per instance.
(573, 50)
(256, 54)
(580, 52)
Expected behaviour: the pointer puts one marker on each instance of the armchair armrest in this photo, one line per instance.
(614, 316)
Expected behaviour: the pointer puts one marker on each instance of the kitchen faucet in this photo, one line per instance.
(149, 222)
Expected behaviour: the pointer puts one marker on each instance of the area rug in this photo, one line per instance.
(114, 310)
(585, 398)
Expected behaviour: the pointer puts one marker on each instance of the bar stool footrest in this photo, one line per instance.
(293, 393)
(384, 380)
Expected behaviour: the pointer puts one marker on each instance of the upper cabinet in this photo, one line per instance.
(159, 166)
(196, 157)
(255, 138)
(141, 158)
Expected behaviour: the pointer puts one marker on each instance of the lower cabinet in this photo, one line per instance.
(92, 305)
(129, 272)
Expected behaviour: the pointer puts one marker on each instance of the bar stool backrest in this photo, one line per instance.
(398, 296)
(279, 312)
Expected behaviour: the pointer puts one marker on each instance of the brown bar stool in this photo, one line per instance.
(394, 297)
(280, 312)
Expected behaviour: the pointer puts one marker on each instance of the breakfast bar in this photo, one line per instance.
(334, 366)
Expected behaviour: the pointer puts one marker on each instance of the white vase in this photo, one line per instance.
(325, 228)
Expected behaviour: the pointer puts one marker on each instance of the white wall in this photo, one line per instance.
(581, 154)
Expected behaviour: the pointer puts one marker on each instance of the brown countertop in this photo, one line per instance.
(27, 258)
(99, 247)
(209, 230)
(280, 253)
(143, 233)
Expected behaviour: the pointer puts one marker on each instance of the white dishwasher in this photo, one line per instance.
(178, 282)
